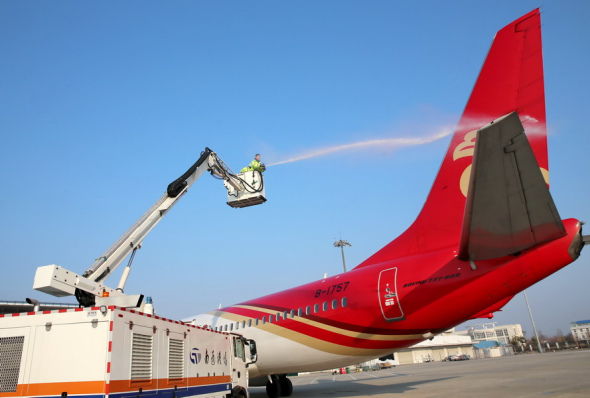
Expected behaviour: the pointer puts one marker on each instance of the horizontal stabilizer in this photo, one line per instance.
(508, 207)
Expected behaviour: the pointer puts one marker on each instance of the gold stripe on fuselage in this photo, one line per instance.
(315, 342)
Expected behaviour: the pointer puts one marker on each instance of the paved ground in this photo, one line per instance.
(562, 374)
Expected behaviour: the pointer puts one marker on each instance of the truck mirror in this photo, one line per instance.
(253, 353)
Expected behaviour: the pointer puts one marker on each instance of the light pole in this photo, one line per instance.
(341, 243)
(533, 322)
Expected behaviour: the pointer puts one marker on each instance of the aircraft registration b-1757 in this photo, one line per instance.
(488, 230)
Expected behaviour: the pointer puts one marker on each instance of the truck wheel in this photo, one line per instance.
(239, 392)
(273, 390)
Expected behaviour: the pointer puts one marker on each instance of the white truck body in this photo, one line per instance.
(116, 352)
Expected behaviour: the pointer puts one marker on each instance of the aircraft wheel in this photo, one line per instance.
(286, 386)
(273, 390)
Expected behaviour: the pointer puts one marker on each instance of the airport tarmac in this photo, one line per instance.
(559, 374)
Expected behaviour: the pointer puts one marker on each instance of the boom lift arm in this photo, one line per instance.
(89, 288)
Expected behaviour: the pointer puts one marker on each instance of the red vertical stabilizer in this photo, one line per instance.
(511, 80)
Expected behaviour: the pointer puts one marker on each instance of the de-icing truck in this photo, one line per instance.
(118, 352)
(113, 345)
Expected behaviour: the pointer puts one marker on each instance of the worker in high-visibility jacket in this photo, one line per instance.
(255, 165)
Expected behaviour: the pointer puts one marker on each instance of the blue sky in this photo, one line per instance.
(105, 103)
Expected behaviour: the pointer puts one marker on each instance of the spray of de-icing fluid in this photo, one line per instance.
(391, 143)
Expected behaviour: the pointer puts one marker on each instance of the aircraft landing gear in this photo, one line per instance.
(273, 387)
(279, 386)
(286, 386)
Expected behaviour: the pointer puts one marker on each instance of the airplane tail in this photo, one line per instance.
(511, 80)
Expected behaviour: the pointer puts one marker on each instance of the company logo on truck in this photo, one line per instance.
(195, 356)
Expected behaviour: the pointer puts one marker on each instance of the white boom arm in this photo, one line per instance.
(89, 288)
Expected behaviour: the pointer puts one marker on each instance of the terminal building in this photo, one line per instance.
(490, 332)
(580, 330)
